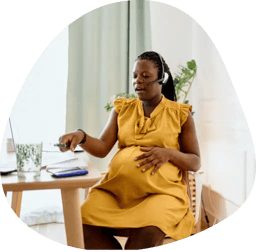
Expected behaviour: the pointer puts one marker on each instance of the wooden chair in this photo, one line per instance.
(195, 185)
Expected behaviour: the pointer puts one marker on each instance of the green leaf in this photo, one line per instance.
(186, 71)
(191, 65)
(186, 102)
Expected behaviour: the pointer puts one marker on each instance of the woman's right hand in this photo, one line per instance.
(71, 139)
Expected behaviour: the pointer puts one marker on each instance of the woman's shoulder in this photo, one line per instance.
(181, 109)
(174, 105)
(177, 105)
(123, 103)
(123, 100)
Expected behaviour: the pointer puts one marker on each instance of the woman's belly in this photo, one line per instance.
(123, 162)
(128, 183)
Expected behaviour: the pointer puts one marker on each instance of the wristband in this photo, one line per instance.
(84, 139)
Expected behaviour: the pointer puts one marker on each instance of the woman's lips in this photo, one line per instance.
(140, 90)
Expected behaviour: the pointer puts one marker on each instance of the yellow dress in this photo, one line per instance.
(129, 198)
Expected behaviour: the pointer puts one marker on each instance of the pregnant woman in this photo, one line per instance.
(144, 194)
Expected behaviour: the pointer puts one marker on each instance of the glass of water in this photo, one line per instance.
(28, 159)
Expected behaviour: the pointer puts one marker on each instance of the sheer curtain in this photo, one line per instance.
(98, 43)
(140, 36)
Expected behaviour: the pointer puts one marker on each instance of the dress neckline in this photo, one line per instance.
(156, 109)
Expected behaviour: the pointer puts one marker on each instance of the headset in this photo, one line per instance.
(164, 76)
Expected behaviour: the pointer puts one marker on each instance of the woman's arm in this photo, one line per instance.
(186, 159)
(98, 147)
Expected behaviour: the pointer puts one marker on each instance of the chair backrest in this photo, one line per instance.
(192, 185)
(194, 189)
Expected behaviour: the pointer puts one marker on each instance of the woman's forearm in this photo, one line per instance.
(184, 161)
(96, 147)
(100, 147)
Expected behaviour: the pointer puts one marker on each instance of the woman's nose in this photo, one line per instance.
(138, 80)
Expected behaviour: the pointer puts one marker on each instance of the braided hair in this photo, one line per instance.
(168, 89)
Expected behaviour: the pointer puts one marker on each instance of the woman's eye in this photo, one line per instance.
(144, 76)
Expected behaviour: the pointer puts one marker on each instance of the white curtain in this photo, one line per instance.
(103, 45)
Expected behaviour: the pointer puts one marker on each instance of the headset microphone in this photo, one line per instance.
(151, 83)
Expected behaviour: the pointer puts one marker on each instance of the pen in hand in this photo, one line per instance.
(66, 146)
(61, 145)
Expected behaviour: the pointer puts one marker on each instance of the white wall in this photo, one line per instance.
(225, 142)
(40, 108)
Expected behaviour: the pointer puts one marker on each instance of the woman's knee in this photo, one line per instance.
(91, 230)
(145, 237)
(99, 238)
(152, 230)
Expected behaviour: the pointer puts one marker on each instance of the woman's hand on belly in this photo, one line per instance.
(153, 157)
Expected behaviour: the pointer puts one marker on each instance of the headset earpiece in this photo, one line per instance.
(166, 77)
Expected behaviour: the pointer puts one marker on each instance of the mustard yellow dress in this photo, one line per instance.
(129, 198)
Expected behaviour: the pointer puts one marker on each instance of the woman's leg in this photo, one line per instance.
(99, 238)
(145, 237)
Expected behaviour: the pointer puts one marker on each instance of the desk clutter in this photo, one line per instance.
(58, 163)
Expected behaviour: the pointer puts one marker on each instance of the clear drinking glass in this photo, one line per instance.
(28, 159)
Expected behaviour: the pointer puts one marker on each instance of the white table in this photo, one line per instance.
(70, 196)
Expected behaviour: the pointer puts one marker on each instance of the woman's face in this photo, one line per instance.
(144, 73)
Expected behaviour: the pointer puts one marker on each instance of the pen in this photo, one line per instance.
(66, 146)
(61, 145)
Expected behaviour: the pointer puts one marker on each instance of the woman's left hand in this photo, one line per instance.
(153, 157)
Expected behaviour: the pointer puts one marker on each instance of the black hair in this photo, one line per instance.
(168, 89)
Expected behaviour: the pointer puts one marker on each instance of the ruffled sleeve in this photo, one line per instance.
(118, 104)
(184, 108)
(121, 104)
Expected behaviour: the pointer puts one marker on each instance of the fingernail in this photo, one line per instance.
(72, 149)
(135, 158)
(152, 173)
(138, 165)
(143, 170)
